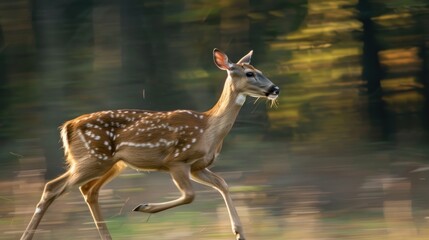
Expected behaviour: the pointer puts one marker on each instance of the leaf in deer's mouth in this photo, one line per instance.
(274, 102)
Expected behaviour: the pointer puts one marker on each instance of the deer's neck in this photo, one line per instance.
(223, 114)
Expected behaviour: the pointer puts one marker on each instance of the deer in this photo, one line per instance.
(184, 143)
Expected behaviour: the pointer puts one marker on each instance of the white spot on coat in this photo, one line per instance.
(38, 210)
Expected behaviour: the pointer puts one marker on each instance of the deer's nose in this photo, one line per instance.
(274, 90)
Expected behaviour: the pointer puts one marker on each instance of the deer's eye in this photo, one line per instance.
(250, 74)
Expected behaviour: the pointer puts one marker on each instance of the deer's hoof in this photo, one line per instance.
(146, 208)
(141, 207)
(239, 236)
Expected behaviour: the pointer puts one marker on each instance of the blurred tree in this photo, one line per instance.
(3, 92)
(371, 67)
(19, 102)
(151, 56)
(61, 32)
(107, 57)
(372, 71)
(422, 19)
(234, 26)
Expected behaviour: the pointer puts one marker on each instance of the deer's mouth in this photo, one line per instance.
(273, 92)
(272, 96)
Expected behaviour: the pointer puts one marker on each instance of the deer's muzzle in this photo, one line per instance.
(273, 92)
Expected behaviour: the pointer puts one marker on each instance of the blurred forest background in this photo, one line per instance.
(344, 156)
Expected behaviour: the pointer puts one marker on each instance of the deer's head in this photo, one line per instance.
(245, 78)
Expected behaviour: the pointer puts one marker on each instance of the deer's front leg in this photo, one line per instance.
(180, 175)
(208, 178)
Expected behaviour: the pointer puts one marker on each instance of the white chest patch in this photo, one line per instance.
(241, 98)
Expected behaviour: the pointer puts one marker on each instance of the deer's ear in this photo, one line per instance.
(221, 60)
(246, 59)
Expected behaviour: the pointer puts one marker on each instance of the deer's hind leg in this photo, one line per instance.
(53, 189)
(90, 192)
(76, 175)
